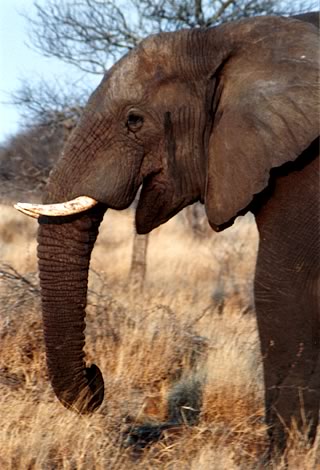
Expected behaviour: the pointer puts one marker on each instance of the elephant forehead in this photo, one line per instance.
(144, 66)
(129, 77)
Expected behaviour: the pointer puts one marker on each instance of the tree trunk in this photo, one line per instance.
(138, 263)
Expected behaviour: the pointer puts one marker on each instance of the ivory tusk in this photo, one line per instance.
(79, 204)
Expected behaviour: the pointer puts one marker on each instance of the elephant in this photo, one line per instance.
(227, 116)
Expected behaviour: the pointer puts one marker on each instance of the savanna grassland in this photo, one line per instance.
(185, 351)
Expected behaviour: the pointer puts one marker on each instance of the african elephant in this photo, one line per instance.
(226, 116)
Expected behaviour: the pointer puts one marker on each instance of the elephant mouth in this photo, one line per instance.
(151, 201)
(159, 201)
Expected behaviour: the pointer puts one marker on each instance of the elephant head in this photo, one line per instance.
(195, 115)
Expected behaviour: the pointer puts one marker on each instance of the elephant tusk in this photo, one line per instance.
(79, 204)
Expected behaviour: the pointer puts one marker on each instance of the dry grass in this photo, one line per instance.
(187, 350)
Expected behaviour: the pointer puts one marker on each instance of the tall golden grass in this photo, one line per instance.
(185, 350)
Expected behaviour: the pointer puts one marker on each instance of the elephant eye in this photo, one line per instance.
(134, 122)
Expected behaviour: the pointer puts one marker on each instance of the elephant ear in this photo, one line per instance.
(266, 113)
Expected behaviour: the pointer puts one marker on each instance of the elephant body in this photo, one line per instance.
(287, 283)
(227, 116)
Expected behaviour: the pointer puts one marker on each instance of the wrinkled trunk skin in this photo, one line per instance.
(64, 250)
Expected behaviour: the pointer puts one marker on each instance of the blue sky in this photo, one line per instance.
(18, 62)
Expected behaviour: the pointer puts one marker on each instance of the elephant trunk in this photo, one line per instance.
(64, 249)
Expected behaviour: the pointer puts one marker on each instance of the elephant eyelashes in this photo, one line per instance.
(134, 122)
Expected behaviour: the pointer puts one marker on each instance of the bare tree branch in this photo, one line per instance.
(8, 272)
(48, 104)
(92, 34)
